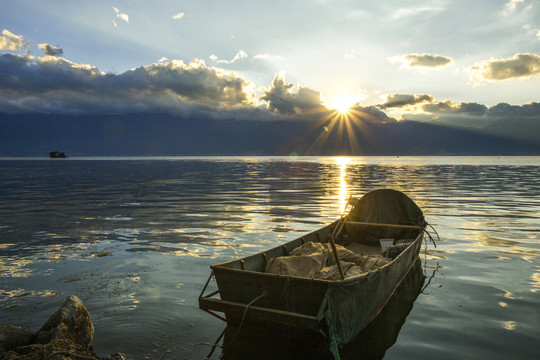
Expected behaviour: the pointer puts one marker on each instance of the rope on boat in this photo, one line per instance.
(431, 237)
(436, 270)
(265, 293)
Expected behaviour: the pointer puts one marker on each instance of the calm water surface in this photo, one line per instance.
(134, 238)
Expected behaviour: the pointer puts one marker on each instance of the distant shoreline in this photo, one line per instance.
(506, 160)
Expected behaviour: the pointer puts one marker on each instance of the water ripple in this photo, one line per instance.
(124, 234)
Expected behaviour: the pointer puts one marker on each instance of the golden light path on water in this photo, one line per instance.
(343, 187)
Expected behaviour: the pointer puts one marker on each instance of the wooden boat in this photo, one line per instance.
(335, 309)
(372, 342)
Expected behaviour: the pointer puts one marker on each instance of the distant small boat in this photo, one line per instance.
(57, 155)
(382, 224)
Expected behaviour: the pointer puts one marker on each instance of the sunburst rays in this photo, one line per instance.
(340, 129)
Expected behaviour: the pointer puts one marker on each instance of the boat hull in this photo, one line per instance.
(302, 306)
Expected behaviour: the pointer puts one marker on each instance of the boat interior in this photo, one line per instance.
(380, 219)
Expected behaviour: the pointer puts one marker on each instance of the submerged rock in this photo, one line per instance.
(68, 334)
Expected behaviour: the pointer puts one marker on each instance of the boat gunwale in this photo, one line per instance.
(221, 267)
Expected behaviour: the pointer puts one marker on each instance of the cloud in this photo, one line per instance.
(371, 113)
(50, 50)
(413, 11)
(518, 66)
(11, 42)
(450, 107)
(473, 114)
(402, 100)
(239, 55)
(121, 16)
(530, 31)
(350, 54)
(504, 110)
(422, 60)
(194, 82)
(53, 84)
(512, 5)
(266, 56)
(178, 16)
(282, 99)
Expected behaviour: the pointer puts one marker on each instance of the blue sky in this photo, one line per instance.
(462, 61)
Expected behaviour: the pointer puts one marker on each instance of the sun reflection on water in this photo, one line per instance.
(535, 282)
(509, 325)
(344, 195)
(16, 268)
(509, 295)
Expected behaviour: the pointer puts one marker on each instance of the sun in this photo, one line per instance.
(343, 103)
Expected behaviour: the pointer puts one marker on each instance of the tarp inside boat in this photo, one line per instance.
(316, 261)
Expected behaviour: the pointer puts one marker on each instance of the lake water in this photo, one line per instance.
(134, 239)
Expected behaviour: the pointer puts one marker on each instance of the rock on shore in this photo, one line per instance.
(68, 334)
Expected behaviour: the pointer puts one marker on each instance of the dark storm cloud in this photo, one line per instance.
(402, 100)
(518, 66)
(371, 114)
(50, 50)
(23, 76)
(423, 60)
(474, 114)
(475, 110)
(191, 82)
(504, 110)
(281, 98)
(55, 84)
(449, 107)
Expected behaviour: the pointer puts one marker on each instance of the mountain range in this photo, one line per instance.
(163, 134)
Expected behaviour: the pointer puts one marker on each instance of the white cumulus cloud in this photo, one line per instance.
(178, 16)
(11, 42)
(239, 55)
(429, 61)
(518, 66)
(266, 56)
(121, 16)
